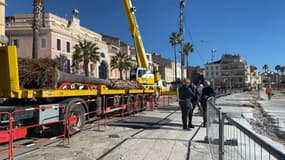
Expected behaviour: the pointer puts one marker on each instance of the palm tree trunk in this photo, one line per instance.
(187, 75)
(121, 74)
(86, 69)
(38, 7)
(175, 64)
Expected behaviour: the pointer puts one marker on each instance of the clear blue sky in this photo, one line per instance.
(255, 29)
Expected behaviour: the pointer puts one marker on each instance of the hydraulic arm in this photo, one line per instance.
(134, 29)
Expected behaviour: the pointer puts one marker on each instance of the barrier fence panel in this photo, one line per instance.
(114, 107)
(6, 134)
(231, 139)
(78, 118)
(12, 128)
(165, 100)
(213, 120)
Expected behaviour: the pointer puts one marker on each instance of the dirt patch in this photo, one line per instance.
(265, 126)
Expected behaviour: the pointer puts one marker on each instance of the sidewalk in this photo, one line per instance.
(149, 135)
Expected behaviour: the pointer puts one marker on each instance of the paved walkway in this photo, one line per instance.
(149, 135)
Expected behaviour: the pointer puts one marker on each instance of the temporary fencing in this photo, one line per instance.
(6, 135)
(14, 132)
(165, 100)
(114, 107)
(230, 138)
(66, 118)
(52, 115)
(78, 114)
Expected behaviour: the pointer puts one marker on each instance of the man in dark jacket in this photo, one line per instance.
(185, 97)
(196, 99)
(207, 92)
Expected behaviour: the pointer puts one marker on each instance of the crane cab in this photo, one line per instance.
(142, 76)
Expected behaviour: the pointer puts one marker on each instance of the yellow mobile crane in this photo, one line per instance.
(143, 74)
(41, 108)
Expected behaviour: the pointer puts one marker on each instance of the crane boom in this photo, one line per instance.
(134, 29)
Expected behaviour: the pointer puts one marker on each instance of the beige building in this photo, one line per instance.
(255, 77)
(60, 35)
(231, 72)
(213, 73)
(166, 67)
(58, 38)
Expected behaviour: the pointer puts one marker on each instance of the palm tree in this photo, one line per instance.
(187, 48)
(282, 69)
(85, 51)
(76, 60)
(265, 67)
(277, 68)
(174, 40)
(38, 17)
(122, 62)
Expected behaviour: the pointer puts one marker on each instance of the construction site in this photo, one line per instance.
(50, 113)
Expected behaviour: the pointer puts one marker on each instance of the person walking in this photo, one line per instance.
(207, 92)
(268, 91)
(185, 96)
(195, 100)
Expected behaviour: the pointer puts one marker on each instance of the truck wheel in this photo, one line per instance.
(76, 118)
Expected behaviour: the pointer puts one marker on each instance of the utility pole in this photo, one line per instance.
(181, 35)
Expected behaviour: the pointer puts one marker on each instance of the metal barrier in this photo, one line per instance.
(165, 99)
(7, 133)
(229, 139)
(13, 132)
(73, 119)
(114, 104)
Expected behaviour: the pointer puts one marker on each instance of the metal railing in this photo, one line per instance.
(231, 138)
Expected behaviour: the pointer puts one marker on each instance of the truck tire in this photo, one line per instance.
(76, 118)
(75, 108)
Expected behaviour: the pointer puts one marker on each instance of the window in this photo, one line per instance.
(58, 44)
(68, 47)
(16, 42)
(43, 43)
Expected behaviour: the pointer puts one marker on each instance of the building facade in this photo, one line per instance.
(166, 67)
(57, 39)
(213, 73)
(59, 36)
(231, 72)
